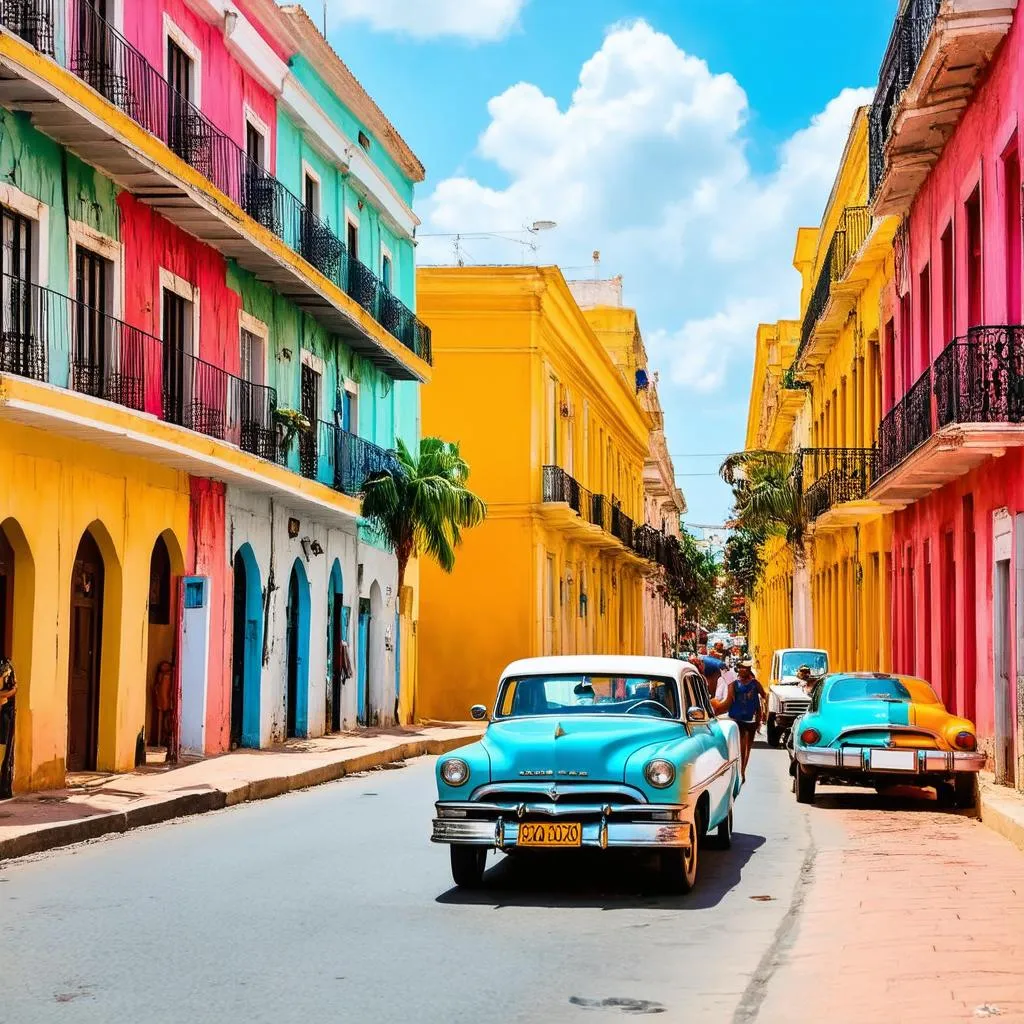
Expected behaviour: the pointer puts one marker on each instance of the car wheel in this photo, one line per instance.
(723, 836)
(679, 867)
(774, 732)
(805, 784)
(965, 794)
(468, 863)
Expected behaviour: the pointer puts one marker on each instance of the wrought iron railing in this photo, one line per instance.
(600, 512)
(558, 485)
(622, 525)
(832, 476)
(980, 378)
(907, 425)
(850, 234)
(105, 60)
(112, 360)
(347, 461)
(902, 56)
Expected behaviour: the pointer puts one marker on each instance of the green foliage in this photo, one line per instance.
(743, 563)
(696, 588)
(423, 503)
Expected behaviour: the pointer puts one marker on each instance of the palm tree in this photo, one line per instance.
(422, 503)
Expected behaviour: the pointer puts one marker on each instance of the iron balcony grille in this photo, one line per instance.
(32, 20)
(832, 476)
(559, 486)
(113, 361)
(600, 512)
(106, 61)
(980, 378)
(348, 461)
(851, 233)
(907, 43)
(622, 525)
(906, 426)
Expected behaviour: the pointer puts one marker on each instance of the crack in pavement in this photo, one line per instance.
(785, 935)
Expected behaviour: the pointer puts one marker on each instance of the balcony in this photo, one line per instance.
(967, 407)
(248, 215)
(937, 54)
(347, 461)
(835, 484)
(835, 290)
(182, 411)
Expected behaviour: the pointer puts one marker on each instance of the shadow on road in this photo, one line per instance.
(611, 880)
(899, 798)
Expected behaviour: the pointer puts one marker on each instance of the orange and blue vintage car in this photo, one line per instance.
(879, 730)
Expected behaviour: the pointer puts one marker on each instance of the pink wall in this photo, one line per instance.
(207, 556)
(226, 85)
(974, 155)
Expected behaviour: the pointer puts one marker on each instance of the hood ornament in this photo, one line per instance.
(559, 731)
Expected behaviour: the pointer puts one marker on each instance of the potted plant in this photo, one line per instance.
(289, 422)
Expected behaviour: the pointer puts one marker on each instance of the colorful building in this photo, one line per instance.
(207, 344)
(946, 159)
(543, 397)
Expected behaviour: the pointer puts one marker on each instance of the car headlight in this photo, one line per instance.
(660, 773)
(454, 771)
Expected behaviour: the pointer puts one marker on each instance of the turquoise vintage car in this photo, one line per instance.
(879, 730)
(589, 751)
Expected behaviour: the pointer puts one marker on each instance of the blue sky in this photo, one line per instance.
(684, 139)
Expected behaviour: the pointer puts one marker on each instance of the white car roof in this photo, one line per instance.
(597, 664)
(801, 650)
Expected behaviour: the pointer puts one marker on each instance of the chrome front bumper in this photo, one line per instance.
(648, 825)
(926, 762)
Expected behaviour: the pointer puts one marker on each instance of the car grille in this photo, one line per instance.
(795, 707)
(591, 794)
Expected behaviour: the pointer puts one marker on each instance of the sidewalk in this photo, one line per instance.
(101, 804)
(1002, 809)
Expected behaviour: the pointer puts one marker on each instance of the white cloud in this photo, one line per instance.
(649, 164)
(475, 20)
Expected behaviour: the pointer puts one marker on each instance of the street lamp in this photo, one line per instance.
(535, 228)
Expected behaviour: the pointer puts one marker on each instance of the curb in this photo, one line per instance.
(1002, 810)
(189, 804)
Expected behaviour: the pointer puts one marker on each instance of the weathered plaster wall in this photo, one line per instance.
(226, 86)
(49, 495)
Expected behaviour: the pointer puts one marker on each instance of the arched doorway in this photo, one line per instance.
(337, 635)
(363, 664)
(17, 605)
(87, 579)
(247, 650)
(297, 696)
(378, 698)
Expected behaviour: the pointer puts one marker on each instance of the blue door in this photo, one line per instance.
(363, 657)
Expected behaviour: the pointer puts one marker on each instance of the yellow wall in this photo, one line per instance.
(522, 381)
(50, 493)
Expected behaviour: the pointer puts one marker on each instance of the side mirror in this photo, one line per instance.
(479, 712)
(697, 716)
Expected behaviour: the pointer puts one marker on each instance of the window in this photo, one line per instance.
(588, 695)
(552, 438)
(906, 341)
(385, 271)
(972, 223)
(364, 141)
(311, 192)
(350, 407)
(1012, 222)
(309, 398)
(20, 351)
(947, 284)
(89, 352)
(255, 144)
(177, 321)
(352, 238)
(179, 76)
(924, 313)
(251, 357)
(889, 383)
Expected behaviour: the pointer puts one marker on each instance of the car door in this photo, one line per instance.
(713, 758)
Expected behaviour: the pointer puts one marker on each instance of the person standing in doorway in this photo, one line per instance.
(746, 709)
(8, 688)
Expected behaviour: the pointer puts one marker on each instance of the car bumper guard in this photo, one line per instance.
(927, 762)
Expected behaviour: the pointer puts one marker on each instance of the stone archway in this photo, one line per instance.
(337, 630)
(166, 567)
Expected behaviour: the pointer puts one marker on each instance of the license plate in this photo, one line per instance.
(563, 833)
(894, 760)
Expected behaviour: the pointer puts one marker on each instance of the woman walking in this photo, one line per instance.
(746, 709)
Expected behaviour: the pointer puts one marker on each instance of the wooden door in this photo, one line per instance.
(175, 344)
(84, 661)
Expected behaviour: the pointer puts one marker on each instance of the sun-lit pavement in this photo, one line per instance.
(330, 905)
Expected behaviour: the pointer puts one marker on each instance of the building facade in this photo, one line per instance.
(208, 343)
(557, 437)
(947, 162)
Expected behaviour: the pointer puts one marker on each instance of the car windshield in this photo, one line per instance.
(869, 688)
(793, 661)
(588, 694)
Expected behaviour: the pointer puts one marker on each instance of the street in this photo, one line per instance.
(330, 904)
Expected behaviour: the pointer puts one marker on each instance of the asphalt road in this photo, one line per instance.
(331, 905)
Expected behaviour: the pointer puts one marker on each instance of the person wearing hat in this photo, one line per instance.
(746, 709)
(803, 675)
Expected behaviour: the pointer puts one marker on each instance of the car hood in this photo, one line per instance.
(790, 691)
(575, 746)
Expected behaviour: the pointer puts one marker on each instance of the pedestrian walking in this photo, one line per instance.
(719, 690)
(746, 709)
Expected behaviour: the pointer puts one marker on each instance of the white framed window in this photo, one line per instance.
(352, 233)
(311, 191)
(311, 387)
(170, 282)
(350, 406)
(82, 237)
(173, 33)
(253, 338)
(387, 268)
(39, 213)
(257, 134)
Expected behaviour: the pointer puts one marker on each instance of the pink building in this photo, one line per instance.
(946, 156)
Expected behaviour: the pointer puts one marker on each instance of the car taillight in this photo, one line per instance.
(809, 737)
(966, 740)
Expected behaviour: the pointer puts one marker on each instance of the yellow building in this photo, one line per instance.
(823, 402)
(556, 436)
